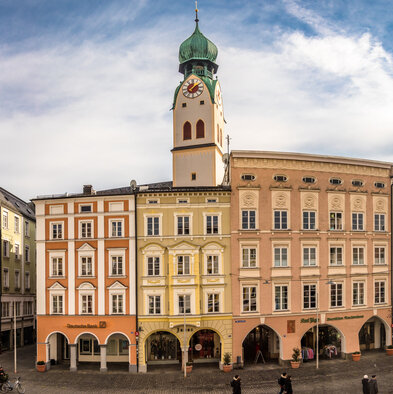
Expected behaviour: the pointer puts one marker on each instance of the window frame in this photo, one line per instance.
(214, 300)
(81, 223)
(380, 281)
(279, 307)
(363, 283)
(306, 219)
(153, 257)
(312, 300)
(380, 227)
(280, 219)
(187, 307)
(184, 264)
(252, 301)
(315, 251)
(181, 226)
(336, 294)
(155, 297)
(249, 248)
(53, 295)
(249, 224)
(280, 247)
(57, 224)
(336, 221)
(336, 247)
(359, 248)
(356, 224)
(153, 226)
(81, 257)
(210, 217)
(215, 265)
(381, 247)
(110, 229)
(115, 294)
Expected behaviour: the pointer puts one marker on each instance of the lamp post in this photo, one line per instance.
(184, 340)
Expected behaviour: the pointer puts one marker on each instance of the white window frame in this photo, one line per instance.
(27, 228)
(379, 290)
(333, 246)
(17, 282)
(6, 248)
(114, 262)
(308, 250)
(214, 303)
(357, 282)
(86, 293)
(182, 217)
(16, 224)
(57, 293)
(56, 255)
(246, 263)
(86, 255)
(336, 221)
(27, 254)
(17, 251)
(52, 224)
(280, 247)
(379, 226)
(5, 220)
(184, 264)
(27, 280)
(81, 222)
(154, 259)
(205, 220)
(377, 259)
(335, 284)
(310, 298)
(214, 264)
(6, 277)
(306, 218)
(85, 205)
(186, 302)
(159, 217)
(356, 223)
(117, 293)
(155, 297)
(280, 217)
(116, 252)
(248, 224)
(281, 306)
(356, 250)
(249, 297)
(116, 220)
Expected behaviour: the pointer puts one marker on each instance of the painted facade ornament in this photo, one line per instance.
(281, 200)
(336, 202)
(249, 200)
(358, 203)
(309, 201)
(380, 205)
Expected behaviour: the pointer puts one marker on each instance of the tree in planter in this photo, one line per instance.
(389, 350)
(227, 367)
(295, 362)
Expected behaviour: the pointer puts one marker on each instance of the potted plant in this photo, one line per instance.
(41, 367)
(188, 366)
(389, 350)
(227, 367)
(356, 356)
(295, 362)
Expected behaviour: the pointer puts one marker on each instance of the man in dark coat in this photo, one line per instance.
(288, 385)
(236, 385)
(366, 386)
(373, 385)
(281, 381)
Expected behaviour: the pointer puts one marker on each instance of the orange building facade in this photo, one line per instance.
(311, 237)
(86, 309)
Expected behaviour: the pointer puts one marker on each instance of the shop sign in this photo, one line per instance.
(198, 347)
(309, 320)
(101, 324)
(345, 317)
(240, 321)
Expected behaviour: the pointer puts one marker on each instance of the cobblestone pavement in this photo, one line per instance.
(334, 376)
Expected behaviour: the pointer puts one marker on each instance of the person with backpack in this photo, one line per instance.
(281, 381)
(236, 385)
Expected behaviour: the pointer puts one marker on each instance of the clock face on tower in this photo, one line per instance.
(193, 88)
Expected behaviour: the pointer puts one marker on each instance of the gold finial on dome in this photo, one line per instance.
(196, 11)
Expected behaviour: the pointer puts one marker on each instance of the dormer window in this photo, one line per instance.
(335, 181)
(308, 179)
(357, 183)
(280, 178)
(379, 185)
(248, 177)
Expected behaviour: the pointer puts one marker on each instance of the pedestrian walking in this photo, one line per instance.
(281, 381)
(236, 385)
(366, 384)
(373, 385)
(288, 385)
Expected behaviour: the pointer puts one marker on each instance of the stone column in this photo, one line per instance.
(73, 350)
(103, 367)
(184, 355)
(132, 356)
(377, 334)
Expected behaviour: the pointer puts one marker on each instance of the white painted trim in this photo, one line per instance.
(71, 278)
(101, 277)
(41, 278)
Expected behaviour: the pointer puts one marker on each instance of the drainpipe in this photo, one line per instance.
(136, 283)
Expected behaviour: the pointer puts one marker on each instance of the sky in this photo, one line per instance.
(86, 86)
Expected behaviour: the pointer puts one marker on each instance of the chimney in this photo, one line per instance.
(88, 189)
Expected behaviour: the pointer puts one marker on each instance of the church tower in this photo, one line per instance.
(198, 118)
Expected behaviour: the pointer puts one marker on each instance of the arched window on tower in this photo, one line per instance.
(200, 129)
(187, 131)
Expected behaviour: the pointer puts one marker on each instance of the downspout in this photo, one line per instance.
(136, 282)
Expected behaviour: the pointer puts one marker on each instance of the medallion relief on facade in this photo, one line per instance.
(336, 202)
(358, 203)
(249, 200)
(380, 205)
(280, 199)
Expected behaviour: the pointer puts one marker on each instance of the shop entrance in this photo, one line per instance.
(261, 345)
(205, 347)
(372, 335)
(58, 348)
(329, 343)
(117, 350)
(162, 347)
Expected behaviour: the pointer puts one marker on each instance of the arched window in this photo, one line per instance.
(221, 137)
(187, 131)
(200, 129)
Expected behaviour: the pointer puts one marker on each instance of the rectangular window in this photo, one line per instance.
(213, 303)
(5, 219)
(17, 308)
(27, 254)
(86, 229)
(17, 224)
(17, 251)
(6, 278)
(153, 225)
(336, 256)
(183, 225)
(57, 304)
(184, 304)
(358, 293)
(248, 219)
(280, 220)
(6, 248)
(154, 305)
(28, 308)
(379, 222)
(87, 304)
(281, 257)
(309, 256)
(153, 266)
(27, 229)
(117, 265)
(212, 224)
(309, 296)
(27, 280)
(86, 266)
(379, 292)
(212, 265)
(357, 222)
(379, 255)
(281, 298)
(57, 266)
(5, 309)
(116, 228)
(249, 299)
(117, 303)
(336, 221)
(85, 208)
(17, 279)
(336, 295)
(57, 230)
(183, 265)
(249, 257)
(309, 220)
(358, 256)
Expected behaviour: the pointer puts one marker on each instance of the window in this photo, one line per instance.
(379, 292)
(183, 265)
(6, 248)
(5, 309)
(17, 224)
(116, 228)
(280, 220)
(152, 201)
(184, 304)
(17, 279)
(212, 224)
(248, 177)
(187, 131)
(212, 265)
(336, 295)
(202, 102)
(86, 304)
(358, 255)
(57, 266)
(281, 256)
(280, 178)
(309, 256)
(27, 254)
(193, 176)
(213, 303)
(57, 304)
(379, 185)
(358, 293)
(154, 305)
(57, 230)
(183, 225)
(86, 229)
(249, 257)
(27, 229)
(27, 280)
(17, 307)
(184, 105)
(335, 181)
(6, 278)
(153, 266)
(153, 225)
(17, 251)
(336, 221)
(5, 219)
(308, 179)
(308, 220)
(211, 200)
(281, 298)
(200, 129)
(379, 255)
(117, 265)
(117, 303)
(86, 266)
(336, 255)
(249, 299)
(248, 220)
(28, 308)
(309, 296)
(357, 183)
(182, 201)
(85, 208)
(357, 222)
(379, 222)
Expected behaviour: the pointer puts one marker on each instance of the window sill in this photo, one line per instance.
(380, 265)
(248, 268)
(57, 277)
(249, 229)
(310, 230)
(117, 276)
(281, 311)
(250, 313)
(86, 277)
(280, 229)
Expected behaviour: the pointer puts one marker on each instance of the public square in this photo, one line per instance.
(334, 376)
